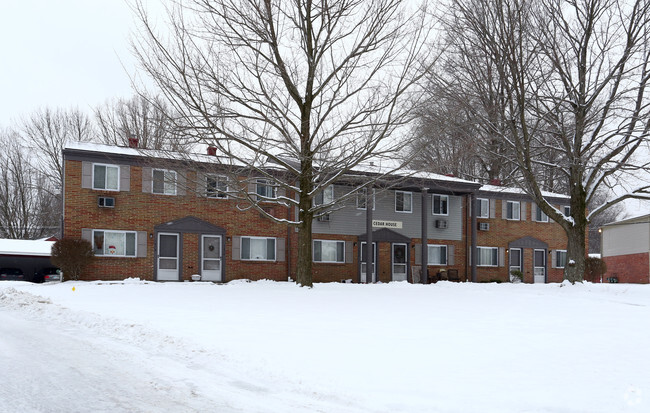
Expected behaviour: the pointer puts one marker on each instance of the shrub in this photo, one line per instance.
(72, 255)
(594, 269)
(517, 275)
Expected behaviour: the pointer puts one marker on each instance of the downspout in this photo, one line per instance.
(425, 236)
(468, 204)
(288, 253)
(474, 252)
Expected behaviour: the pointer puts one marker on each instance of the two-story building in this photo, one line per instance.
(163, 217)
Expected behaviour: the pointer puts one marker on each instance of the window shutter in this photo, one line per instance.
(142, 243)
(418, 254)
(236, 248)
(502, 256)
(86, 175)
(493, 207)
(281, 192)
(280, 249)
(504, 209)
(147, 178)
(87, 234)
(553, 259)
(451, 259)
(523, 211)
(349, 252)
(201, 184)
(181, 180)
(533, 212)
(252, 188)
(125, 178)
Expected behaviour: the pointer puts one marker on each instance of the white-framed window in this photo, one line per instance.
(361, 199)
(106, 177)
(257, 249)
(403, 201)
(540, 216)
(560, 258)
(164, 182)
(437, 255)
(483, 208)
(265, 189)
(487, 256)
(114, 243)
(216, 186)
(440, 204)
(326, 196)
(566, 210)
(329, 251)
(513, 209)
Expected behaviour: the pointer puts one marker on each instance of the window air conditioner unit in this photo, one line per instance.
(441, 223)
(484, 226)
(106, 202)
(324, 218)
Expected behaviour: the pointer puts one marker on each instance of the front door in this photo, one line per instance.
(539, 266)
(515, 261)
(363, 262)
(168, 264)
(399, 262)
(211, 258)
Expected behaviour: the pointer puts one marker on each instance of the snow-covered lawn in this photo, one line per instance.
(275, 347)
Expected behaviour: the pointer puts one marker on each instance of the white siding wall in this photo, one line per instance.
(632, 238)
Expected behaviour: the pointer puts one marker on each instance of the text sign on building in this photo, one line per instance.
(386, 224)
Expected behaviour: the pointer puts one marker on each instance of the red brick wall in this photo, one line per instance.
(138, 211)
(631, 268)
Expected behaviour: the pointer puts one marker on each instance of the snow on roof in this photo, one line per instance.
(632, 220)
(519, 191)
(25, 247)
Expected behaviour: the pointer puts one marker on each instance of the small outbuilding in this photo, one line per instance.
(32, 257)
(626, 250)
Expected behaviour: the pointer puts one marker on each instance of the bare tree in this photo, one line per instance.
(142, 117)
(573, 76)
(314, 87)
(27, 209)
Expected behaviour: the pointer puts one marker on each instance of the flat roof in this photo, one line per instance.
(26, 247)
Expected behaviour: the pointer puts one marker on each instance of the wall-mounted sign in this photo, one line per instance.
(377, 223)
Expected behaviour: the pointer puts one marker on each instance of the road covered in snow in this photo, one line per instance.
(134, 346)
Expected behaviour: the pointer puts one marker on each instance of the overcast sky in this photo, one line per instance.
(63, 53)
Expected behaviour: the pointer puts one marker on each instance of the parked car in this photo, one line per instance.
(11, 274)
(47, 274)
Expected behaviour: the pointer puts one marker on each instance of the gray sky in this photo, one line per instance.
(63, 53)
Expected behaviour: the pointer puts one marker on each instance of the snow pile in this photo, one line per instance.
(269, 347)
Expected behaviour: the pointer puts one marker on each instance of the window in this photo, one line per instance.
(257, 249)
(114, 243)
(512, 210)
(329, 251)
(361, 198)
(403, 201)
(566, 210)
(488, 257)
(437, 255)
(106, 177)
(265, 189)
(326, 196)
(483, 207)
(164, 182)
(216, 186)
(540, 216)
(440, 204)
(560, 258)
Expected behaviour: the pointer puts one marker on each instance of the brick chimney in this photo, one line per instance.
(133, 142)
(495, 182)
(212, 151)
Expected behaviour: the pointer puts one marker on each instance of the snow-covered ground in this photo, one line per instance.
(275, 347)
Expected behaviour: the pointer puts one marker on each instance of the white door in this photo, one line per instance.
(539, 266)
(515, 261)
(363, 262)
(211, 258)
(168, 257)
(399, 262)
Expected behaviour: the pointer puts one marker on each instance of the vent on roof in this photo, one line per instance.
(106, 202)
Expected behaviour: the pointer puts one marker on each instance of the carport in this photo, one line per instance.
(28, 255)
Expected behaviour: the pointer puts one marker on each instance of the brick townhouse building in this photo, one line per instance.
(160, 217)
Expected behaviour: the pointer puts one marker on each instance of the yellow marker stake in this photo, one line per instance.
(72, 288)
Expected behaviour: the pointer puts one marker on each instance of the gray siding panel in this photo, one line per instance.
(351, 221)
